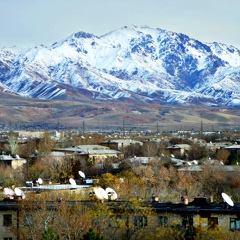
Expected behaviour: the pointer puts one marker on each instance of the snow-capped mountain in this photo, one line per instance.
(132, 62)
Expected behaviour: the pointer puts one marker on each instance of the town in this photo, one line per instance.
(180, 183)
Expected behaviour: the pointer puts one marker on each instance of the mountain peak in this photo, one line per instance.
(83, 35)
(143, 63)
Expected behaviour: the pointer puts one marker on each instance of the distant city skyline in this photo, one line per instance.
(27, 23)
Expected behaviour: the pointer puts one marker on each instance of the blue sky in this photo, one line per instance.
(26, 23)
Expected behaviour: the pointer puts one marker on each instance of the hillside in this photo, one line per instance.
(136, 64)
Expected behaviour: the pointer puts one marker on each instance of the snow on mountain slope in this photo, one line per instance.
(154, 64)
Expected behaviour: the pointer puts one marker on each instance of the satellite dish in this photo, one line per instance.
(17, 157)
(100, 193)
(40, 181)
(227, 199)
(172, 156)
(18, 192)
(195, 162)
(111, 193)
(9, 192)
(72, 181)
(82, 174)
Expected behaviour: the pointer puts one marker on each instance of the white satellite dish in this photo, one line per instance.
(9, 192)
(111, 193)
(100, 193)
(18, 192)
(172, 156)
(227, 199)
(40, 181)
(72, 181)
(82, 174)
(195, 162)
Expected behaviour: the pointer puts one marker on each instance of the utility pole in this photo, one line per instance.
(83, 127)
(201, 129)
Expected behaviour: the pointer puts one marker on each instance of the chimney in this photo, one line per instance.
(155, 198)
(184, 200)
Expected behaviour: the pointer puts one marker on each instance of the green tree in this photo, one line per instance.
(91, 235)
(49, 235)
(232, 158)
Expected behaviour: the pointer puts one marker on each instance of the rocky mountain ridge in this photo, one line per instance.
(140, 63)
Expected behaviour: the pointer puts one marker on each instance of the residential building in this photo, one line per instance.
(180, 149)
(95, 153)
(188, 218)
(120, 144)
(11, 161)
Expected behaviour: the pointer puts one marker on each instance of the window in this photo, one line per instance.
(234, 224)
(7, 238)
(212, 222)
(162, 221)
(29, 220)
(7, 220)
(140, 221)
(115, 221)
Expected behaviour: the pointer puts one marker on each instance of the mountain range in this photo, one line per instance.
(132, 63)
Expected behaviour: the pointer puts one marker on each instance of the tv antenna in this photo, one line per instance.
(227, 199)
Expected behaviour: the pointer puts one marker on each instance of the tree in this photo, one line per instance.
(232, 158)
(45, 144)
(61, 170)
(36, 170)
(91, 235)
(49, 235)
(223, 155)
(29, 148)
(131, 219)
(150, 149)
(13, 143)
(196, 152)
(132, 150)
(68, 220)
